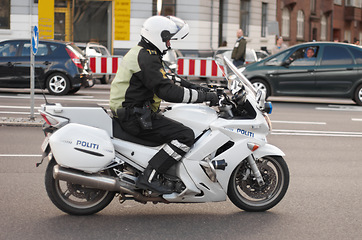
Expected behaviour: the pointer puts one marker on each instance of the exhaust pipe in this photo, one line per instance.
(99, 181)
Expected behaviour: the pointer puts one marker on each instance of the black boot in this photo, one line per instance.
(149, 181)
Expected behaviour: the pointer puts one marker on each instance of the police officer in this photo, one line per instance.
(136, 92)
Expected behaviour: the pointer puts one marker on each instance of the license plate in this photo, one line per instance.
(45, 143)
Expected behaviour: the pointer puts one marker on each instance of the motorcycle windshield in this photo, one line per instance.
(236, 78)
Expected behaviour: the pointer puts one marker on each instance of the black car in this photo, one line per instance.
(322, 69)
(59, 66)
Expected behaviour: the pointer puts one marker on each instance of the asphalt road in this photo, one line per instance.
(322, 141)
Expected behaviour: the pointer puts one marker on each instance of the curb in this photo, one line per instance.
(18, 124)
(21, 122)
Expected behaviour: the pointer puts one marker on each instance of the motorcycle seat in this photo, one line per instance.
(119, 133)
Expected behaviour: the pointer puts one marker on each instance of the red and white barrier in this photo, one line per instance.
(199, 67)
(104, 65)
(188, 67)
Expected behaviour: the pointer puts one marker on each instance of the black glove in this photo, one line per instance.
(213, 98)
(200, 88)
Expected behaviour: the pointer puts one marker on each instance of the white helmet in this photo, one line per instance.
(159, 29)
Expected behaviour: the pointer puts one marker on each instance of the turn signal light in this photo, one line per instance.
(253, 147)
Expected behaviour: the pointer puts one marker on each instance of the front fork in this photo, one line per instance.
(255, 169)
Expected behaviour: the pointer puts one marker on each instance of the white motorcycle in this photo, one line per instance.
(91, 159)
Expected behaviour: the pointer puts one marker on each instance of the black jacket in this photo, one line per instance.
(141, 77)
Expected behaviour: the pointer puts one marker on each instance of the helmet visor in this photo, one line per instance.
(182, 28)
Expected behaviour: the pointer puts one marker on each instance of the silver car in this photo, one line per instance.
(96, 50)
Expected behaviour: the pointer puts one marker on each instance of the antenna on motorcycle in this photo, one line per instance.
(42, 91)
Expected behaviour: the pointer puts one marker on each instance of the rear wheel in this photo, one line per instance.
(245, 192)
(58, 84)
(75, 199)
(358, 95)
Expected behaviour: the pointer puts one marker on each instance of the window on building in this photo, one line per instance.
(300, 25)
(245, 16)
(353, 3)
(349, 3)
(285, 23)
(60, 3)
(168, 7)
(264, 9)
(313, 6)
(5, 14)
(338, 2)
(324, 28)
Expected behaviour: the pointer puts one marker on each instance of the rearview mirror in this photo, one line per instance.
(287, 62)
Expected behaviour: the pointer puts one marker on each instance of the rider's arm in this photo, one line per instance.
(155, 78)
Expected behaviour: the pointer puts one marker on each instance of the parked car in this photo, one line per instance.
(59, 66)
(261, 54)
(322, 69)
(92, 49)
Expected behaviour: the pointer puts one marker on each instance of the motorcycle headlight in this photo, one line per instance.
(268, 107)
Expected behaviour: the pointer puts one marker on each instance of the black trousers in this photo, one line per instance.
(164, 130)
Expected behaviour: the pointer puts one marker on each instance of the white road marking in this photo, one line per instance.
(357, 119)
(340, 108)
(20, 155)
(55, 98)
(298, 122)
(315, 133)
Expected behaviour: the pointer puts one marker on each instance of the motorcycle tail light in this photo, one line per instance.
(49, 120)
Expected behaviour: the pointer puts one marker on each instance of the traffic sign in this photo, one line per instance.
(34, 50)
(35, 39)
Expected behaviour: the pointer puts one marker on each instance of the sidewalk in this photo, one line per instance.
(25, 122)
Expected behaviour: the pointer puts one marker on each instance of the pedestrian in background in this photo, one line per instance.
(356, 41)
(238, 54)
(280, 46)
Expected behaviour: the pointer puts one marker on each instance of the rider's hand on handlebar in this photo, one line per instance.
(213, 98)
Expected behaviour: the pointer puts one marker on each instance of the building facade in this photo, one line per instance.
(117, 23)
(319, 20)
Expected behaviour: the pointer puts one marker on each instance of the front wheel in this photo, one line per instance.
(75, 199)
(245, 192)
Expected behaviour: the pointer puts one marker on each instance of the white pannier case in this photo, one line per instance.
(82, 147)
